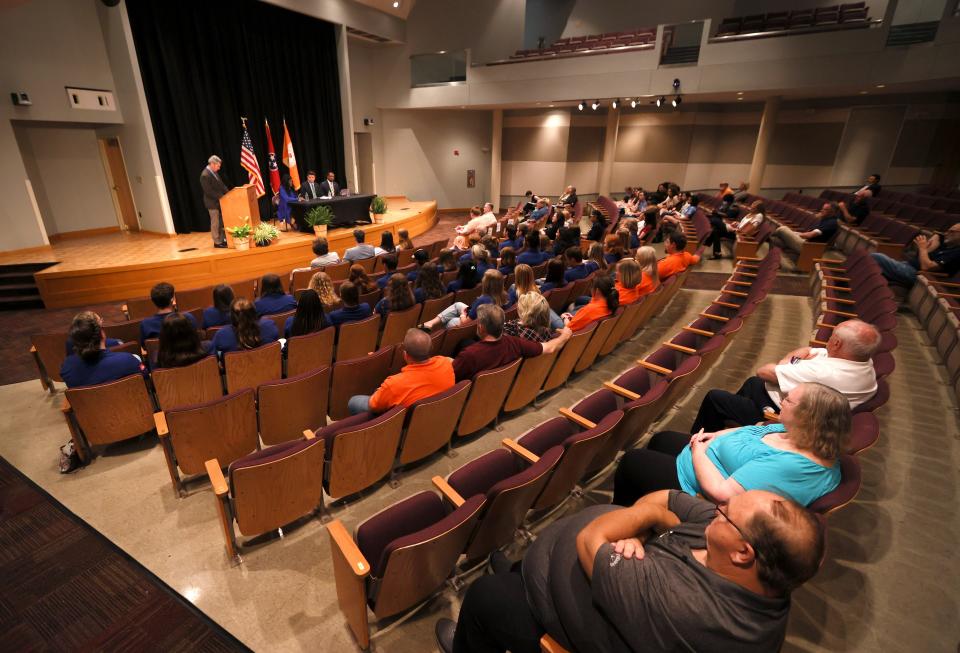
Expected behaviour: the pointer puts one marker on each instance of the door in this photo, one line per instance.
(119, 184)
(364, 141)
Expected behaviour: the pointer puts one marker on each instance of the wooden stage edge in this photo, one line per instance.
(118, 267)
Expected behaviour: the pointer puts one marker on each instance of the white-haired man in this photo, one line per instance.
(213, 189)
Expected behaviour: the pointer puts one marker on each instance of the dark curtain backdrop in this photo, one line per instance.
(206, 64)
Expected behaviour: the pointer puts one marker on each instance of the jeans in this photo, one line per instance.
(897, 271)
(450, 316)
(358, 404)
(555, 321)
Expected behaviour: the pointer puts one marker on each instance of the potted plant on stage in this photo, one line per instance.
(319, 217)
(241, 234)
(264, 234)
(378, 206)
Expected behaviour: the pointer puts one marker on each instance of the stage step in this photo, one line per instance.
(18, 289)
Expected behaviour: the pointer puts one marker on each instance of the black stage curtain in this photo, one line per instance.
(206, 64)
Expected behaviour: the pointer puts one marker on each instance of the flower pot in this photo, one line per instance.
(320, 230)
(241, 244)
(263, 244)
(378, 218)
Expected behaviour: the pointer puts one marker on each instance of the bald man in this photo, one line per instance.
(845, 365)
(672, 572)
(422, 376)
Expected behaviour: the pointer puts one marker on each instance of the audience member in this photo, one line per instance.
(542, 210)
(677, 259)
(403, 238)
(646, 257)
(390, 263)
(568, 198)
(492, 292)
(613, 249)
(219, 313)
(512, 240)
(598, 226)
(321, 284)
(872, 185)
(576, 269)
(386, 242)
(792, 242)
(507, 262)
(467, 277)
(245, 331)
(359, 277)
(361, 250)
(796, 458)
(272, 298)
(91, 363)
(164, 298)
(480, 220)
(934, 254)
(531, 254)
(629, 276)
(743, 190)
(428, 284)
(724, 190)
(423, 376)
(858, 210)
(672, 572)
(309, 317)
(396, 297)
(421, 258)
(447, 261)
(844, 365)
(496, 349)
(352, 310)
(595, 261)
(179, 343)
(554, 276)
(603, 302)
(324, 257)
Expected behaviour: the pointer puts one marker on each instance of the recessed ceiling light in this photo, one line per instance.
(863, 92)
(739, 92)
(881, 85)
(739, 99)
(552, 105)
(396, 4)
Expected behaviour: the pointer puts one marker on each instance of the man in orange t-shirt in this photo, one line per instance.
(420, 378)
(677, 259)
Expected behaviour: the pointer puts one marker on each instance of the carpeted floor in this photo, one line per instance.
(66, 587)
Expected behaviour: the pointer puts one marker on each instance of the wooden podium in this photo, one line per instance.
(237, 204)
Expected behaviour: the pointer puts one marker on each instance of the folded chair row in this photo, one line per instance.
(935, 300)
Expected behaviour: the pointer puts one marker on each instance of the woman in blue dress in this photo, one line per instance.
(287, 194)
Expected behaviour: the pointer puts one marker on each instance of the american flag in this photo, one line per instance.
(248, 160)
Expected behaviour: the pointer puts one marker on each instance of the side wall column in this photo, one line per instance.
(767, 123)
(496, 142)
(609, 151)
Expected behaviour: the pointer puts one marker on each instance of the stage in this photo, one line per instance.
(119, 266)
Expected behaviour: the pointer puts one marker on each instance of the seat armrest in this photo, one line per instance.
(718, 318)
(681, 348)
(654, 368)
(216, 477)
(348, 548)
(717, 302)
(817, 343)
(630, 395)
(308, 434)
(452, 495)
(577, 419)
(699, 332)
(160, 420)
(516, 448)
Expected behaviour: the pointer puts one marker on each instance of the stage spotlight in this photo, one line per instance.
(596, 103)
(580, 106)
(676, 83)
(396, 4)
(661, 101)
(614, 103)
(633, 104)
(676, 101)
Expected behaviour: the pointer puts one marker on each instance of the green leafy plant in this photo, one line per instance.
(242, 231)
(265, 233)
(378, 206)
(319, 216)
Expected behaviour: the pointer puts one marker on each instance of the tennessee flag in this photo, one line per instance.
(289, 159)
(272, 161)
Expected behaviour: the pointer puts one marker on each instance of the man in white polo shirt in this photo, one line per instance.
(844, 364)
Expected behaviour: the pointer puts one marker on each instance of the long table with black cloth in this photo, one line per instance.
(347, 210)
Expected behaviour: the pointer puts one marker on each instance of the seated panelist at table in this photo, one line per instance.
(330, 187)
(311, 190)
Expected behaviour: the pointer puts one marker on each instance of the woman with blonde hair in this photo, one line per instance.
(403, 236)
(321, 284)
(647, 259)
(524, 281)
(628, 278)
(595, 259)
(533, 321)
(492, 292)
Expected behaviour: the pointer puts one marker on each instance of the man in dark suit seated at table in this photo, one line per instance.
(330, 187)
(213, 189)
(311, 190)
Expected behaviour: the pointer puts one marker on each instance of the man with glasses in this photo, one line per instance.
(671, 572)
(935, 253)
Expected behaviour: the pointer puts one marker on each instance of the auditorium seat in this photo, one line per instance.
(126, 331)
(850, 480)
(225, 429)
(360, 450)
(600, 335)
(356, 339)
(433, 307)
(453, 336)
(337, 271)
(139, 308)
(300, 278)
(250, 367)
(192, 384)
(194, 298)
(371, 297)
(486, 397)
(618, 332)
(533, 372)
(49, 352)
(397, 324)
(358, 376)
(268, 489)
(568, 357)
(510, 487)
(310, 352)
(288, 406)
(468, 295)
(559, 298)
(864, 433)
(399, 557)
(430, 424)
(111, 412)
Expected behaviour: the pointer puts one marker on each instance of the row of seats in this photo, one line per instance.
(642, 38)
(935, 300)
(888, 198)
(941, 191)
(854, 14)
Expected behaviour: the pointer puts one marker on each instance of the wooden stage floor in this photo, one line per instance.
(119, 266)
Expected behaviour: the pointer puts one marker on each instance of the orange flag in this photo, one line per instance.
(289, 159)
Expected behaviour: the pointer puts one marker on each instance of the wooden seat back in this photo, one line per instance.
(452, 337)
(289, 406)
(431, 421)
(249, 368)
(433, 307)
(246, 288)
(357, 339)
(280, 320)
(192, 384)
(338, 271)
(616, 334)
(487, 393)
(195, 298)
(126, 331)
(300, 278)
(310, 352)
(568, 357)
(363, 455)
(529, 380)
(139, 308)
(357, 376)
(600, 335)
(468, 295)
(397, 325)
(225, 429)
(50, 351)
(112, 411)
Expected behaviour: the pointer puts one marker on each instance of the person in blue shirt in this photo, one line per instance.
(390, 263)
(164, 298)
(272, 298)
(179, 343)
(554, 276)
(219, 313)
(92, 364)
(508, 261)
(396, 297)
(458, 313)
(797, 458)
(428, 284)
(467, 277)
(512, 239)
(531, 254)
(421, 258)
(309, 317)
(244, 330)
(287, 194)
(575, 266)
(352, 310)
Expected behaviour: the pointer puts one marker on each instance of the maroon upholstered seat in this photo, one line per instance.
(845, 492)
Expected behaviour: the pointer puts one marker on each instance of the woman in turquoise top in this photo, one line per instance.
(796, 458)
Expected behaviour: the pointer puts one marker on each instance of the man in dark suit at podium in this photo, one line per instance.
(213, 189)
(311, 189)
(330, 187)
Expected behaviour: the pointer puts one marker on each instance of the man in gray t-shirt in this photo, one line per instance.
(603, 580)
